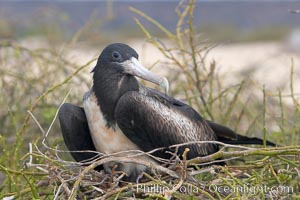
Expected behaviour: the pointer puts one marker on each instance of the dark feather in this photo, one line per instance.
(154, 120)
(228, 136)
(76, 132)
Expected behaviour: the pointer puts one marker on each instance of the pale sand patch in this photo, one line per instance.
(268, 63)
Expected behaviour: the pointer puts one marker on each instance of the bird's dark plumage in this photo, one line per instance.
(121, 114)
(76, 132)
(153, 120)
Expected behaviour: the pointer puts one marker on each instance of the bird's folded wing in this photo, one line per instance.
(152, 121)
(76, 132)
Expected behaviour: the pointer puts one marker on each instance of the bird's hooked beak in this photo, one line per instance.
(134, 67)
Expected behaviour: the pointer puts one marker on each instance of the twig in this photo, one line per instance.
(122, 160)
(294, 150)
(37, 122)
(55, 116)
(168, 194)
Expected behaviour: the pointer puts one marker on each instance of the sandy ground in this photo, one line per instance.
(268, 63)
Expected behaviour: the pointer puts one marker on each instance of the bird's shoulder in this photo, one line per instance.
(148, 96)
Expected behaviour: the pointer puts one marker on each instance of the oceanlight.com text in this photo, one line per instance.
(213, 188)
(252, 190)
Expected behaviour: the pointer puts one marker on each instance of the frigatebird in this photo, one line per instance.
(119, 114)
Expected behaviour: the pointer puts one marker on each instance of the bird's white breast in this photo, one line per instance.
(106, 140)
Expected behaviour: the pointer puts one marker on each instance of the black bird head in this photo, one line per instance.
(122, 59)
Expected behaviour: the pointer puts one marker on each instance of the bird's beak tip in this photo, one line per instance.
(164, 83)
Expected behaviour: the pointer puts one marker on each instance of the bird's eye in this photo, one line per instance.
(116, 55)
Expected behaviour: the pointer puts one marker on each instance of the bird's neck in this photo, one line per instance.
(109, 89)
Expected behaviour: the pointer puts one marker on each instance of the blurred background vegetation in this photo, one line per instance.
(246, 73)
(219, 21)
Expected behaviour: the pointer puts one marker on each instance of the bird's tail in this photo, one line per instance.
(240, 139)
(228, 136)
